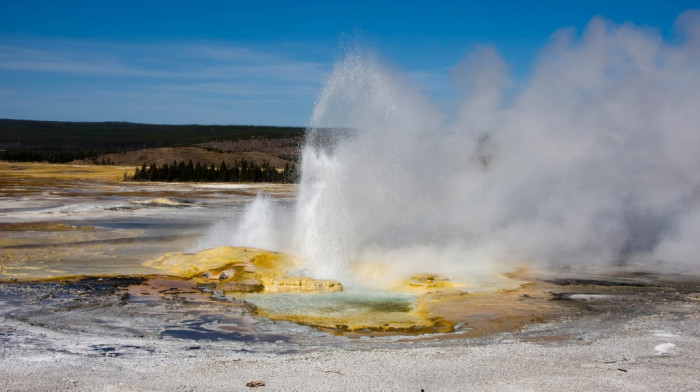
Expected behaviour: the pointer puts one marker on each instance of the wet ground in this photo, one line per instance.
(147, 309)
(63, 220)
(59, 221)
(142, 309)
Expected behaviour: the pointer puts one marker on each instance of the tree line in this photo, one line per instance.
(51, 156)
(240, 171)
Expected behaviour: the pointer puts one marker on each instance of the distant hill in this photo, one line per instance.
(58, 141)
(166, 155)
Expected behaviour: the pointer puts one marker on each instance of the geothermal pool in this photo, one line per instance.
(55, 228)
(134, 247)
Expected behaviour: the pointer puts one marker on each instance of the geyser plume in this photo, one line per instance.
(594, 159)
(257, 226)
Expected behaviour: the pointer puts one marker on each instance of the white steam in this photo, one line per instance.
(594, 160)
(255, 227)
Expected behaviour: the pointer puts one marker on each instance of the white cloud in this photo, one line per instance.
(177, 71)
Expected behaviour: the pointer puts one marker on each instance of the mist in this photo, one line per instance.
(592, 160)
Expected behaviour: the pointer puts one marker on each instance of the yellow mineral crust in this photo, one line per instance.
(299, 284)
(371, 322)
(427, 282)
(239, 269)
(433, 303)
(193, 265)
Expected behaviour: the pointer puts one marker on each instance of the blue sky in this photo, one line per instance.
(258, 62)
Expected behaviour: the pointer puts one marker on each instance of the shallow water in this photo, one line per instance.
(64, 226)
(343, 311)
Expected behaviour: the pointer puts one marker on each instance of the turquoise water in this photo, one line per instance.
(345, 303)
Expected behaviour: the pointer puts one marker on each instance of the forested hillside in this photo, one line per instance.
(60, 142)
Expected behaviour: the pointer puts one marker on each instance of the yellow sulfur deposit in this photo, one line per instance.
(238, 269)
(428, 282)
(418, 303)
(299, 284)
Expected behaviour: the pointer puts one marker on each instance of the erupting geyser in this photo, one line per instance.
(593, 159)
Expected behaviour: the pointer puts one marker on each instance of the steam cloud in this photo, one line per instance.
(595, 160)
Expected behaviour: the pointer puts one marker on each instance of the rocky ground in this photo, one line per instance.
(131, 333)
